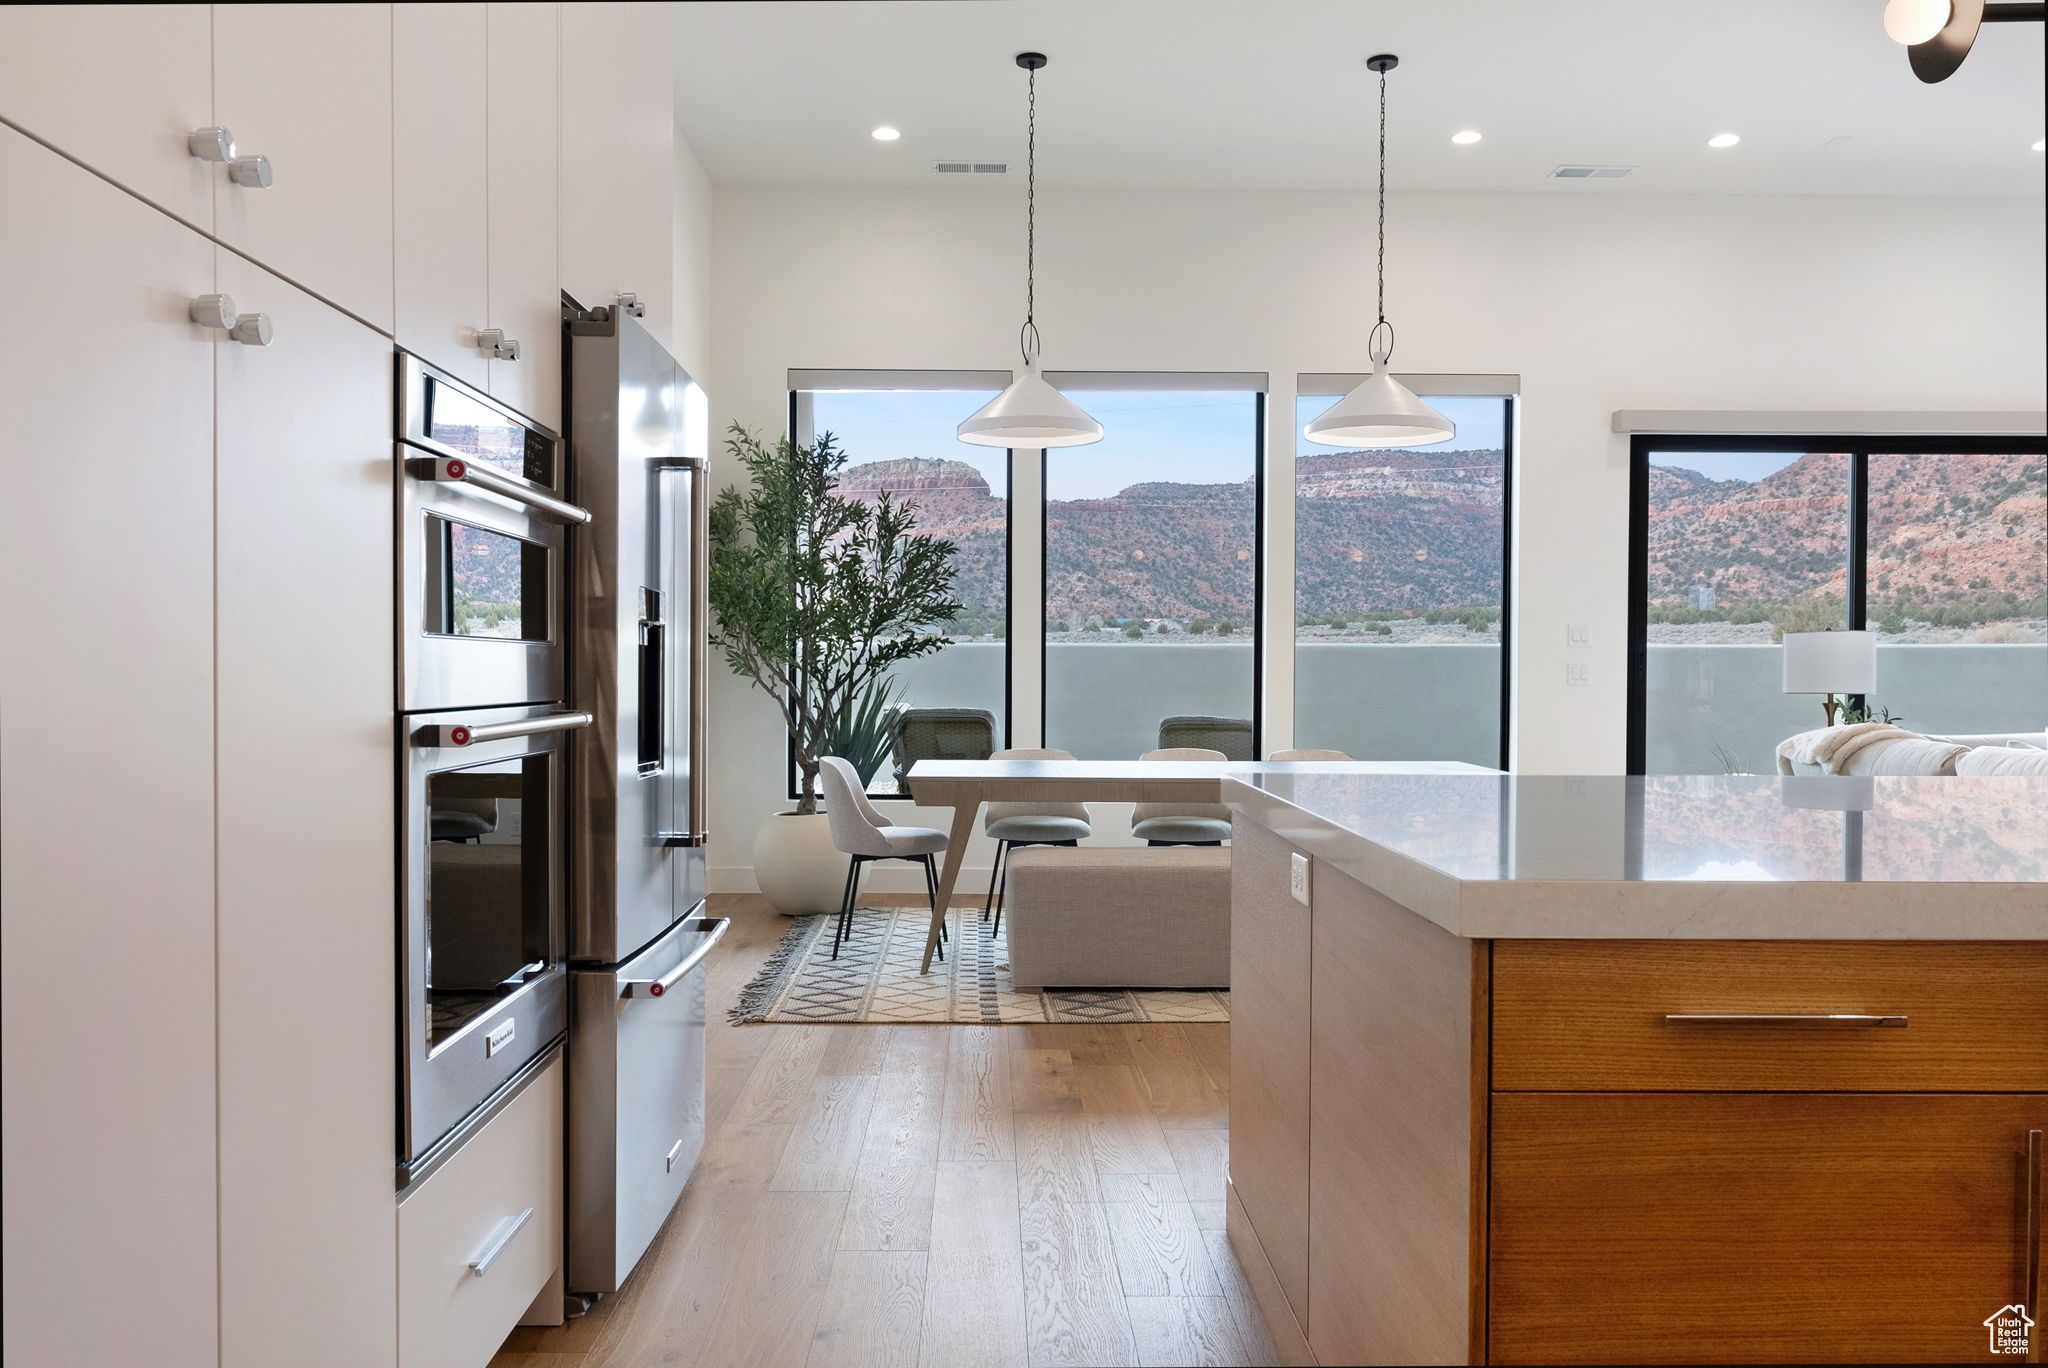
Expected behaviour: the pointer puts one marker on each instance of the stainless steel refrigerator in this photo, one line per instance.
(638, 935)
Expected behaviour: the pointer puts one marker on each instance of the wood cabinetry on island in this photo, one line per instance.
(1603, 1112)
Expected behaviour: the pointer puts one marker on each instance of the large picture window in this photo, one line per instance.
(902, 440)
(1400, 590)
(1938, 545)
(1151, 569)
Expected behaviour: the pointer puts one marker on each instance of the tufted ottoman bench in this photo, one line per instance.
(1119, 917)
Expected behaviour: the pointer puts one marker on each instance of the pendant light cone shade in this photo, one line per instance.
(1381, 412)
(1030, 413)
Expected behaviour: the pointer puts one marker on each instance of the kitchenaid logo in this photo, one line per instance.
(2009, 1326)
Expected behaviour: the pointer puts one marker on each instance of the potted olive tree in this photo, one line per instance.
(814, 598)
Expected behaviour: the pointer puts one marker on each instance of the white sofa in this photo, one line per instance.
(1876, 748)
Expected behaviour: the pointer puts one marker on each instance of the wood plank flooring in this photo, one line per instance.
(936, 1197)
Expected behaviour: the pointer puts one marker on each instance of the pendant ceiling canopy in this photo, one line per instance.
(1030, 413)
(1381, 412)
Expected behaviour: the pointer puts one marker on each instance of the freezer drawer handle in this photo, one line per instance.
(683, 838)
(461, 734)
(1783, 1019)
(455, 468)
(634, 988)
(481, 1264)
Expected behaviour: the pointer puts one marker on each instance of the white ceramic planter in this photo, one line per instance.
(795, 865)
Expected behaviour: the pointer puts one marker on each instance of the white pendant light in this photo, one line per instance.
(1381, 412)
(1030, 413)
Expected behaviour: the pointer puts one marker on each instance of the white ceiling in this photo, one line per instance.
(1271, 94)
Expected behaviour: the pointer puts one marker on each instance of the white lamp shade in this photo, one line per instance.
(1030, 413)
(1913, 22)
(1381, 412)
(1830, 662)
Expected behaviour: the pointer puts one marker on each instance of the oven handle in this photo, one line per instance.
(633, 988)
(457, 469)
(460, 734)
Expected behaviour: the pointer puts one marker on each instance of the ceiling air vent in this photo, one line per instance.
(1590, 172)
(971, 168)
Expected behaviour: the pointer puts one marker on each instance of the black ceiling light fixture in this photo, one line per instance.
(1937, 34)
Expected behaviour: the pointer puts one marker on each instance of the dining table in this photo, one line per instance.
(964, 785)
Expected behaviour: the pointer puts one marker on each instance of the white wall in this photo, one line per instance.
(1599, 301)
(692, 191)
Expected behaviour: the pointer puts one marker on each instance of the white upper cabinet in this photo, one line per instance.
(106, 777)
(440, 185)
(524, 101)
(617, 144)
(119, 87)
(309, 88)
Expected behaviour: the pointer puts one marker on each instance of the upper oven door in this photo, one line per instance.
(482, 540)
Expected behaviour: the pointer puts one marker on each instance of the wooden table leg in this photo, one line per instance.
(964, 814)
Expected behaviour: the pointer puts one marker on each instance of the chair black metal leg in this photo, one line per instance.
(841, 922)
(989, 903)
(1003, 852)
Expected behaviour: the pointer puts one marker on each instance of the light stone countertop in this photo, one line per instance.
(1686, 856)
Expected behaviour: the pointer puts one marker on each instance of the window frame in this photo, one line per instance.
(1859, 450)
(1258, 385)
(802, 429)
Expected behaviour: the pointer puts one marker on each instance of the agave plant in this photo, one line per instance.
(860, 730)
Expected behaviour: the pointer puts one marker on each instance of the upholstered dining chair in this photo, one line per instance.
(1011, 825)
(1231, 737)
(1181, 824)
(1284, 756)
(938, 734)
(861, 832)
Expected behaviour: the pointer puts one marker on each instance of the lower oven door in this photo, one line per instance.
(636, 1098)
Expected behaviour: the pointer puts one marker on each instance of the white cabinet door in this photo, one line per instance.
(307, 774)
(617, 142)
(309, 87)
(525, 106)
(439, 183)
(119, 87)
(106, 776)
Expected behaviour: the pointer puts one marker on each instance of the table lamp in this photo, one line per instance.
(1830, 663)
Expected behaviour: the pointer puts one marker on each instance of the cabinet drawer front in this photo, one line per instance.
(474, 1209)
(1755, 1228)
(1589, 1016)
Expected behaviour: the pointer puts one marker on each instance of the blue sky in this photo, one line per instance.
(1191, 437)
(1727, 465)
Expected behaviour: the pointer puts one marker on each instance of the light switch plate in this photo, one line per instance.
(1578, 634)
(1297, 877)
(1578, 675)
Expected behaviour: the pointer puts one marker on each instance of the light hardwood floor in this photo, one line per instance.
(936, 1197)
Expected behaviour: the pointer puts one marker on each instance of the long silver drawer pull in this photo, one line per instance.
(481, 1264)
(683, 838)
(2031, 1289)
(1783, 1019)
(634, 988)
(456, 468)
(462, 734)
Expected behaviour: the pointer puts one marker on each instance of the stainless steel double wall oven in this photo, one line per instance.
(483, 732)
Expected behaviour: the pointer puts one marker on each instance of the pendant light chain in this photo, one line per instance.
(1383, 198)
(1031, 213)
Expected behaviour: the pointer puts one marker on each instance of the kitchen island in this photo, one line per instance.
(1667, 1069)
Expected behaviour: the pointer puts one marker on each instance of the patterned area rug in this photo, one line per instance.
(875, 979)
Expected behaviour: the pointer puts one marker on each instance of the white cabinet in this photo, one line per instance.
(309, 87)
(618, 144)
(497, 1201)
(119, 87)
(307, 827)
(524, 156)
(106, 777)
(440, 185)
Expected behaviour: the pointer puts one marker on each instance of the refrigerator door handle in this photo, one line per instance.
(654, 988)
(674, 839)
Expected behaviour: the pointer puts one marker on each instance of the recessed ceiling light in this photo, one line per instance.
(885, 134)
(1724, 140)
(1467, 137)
